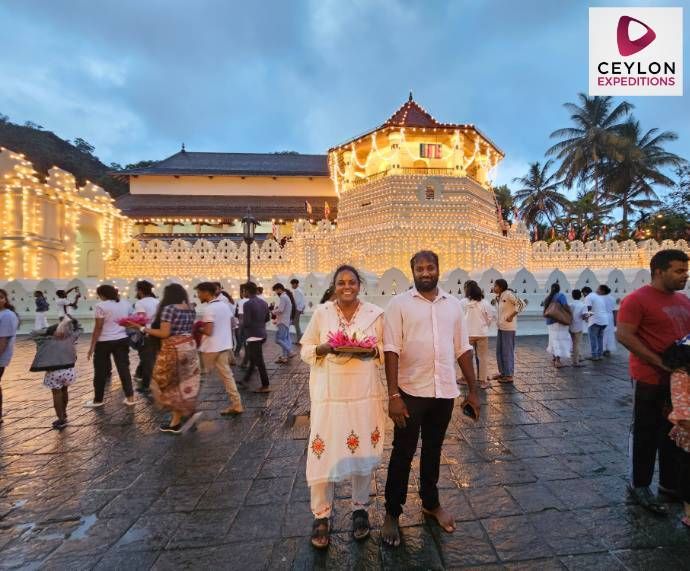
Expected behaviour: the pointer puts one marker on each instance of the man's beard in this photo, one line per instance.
(426, 285)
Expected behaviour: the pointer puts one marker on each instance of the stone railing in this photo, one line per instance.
(599, 254)
(531, 286)
(184, 259)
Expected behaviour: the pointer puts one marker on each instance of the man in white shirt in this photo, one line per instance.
(283, 317)
(216, 343)
(598, 321)
(424, 336)
(300, 305)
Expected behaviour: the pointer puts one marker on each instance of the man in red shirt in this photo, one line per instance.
(650, 319)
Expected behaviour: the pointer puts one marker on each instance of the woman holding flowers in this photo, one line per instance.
(343, 344)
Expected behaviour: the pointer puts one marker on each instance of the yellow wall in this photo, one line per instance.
(257, 186)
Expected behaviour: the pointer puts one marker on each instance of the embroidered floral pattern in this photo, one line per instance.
(375, 437)
(318, 446)
(352, 441)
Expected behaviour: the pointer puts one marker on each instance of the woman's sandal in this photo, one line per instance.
(320, 530)
(360, 524)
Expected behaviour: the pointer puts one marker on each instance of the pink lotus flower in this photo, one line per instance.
(138, 319)
(337, 339)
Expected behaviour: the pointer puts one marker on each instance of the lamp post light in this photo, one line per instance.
(248, 226)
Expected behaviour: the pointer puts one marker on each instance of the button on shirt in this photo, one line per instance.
(428, 336)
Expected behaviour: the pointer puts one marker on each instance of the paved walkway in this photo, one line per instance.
(537, 484)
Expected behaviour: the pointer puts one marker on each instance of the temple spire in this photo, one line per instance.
(410, 99)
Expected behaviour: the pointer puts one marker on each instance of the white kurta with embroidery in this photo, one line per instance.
(348, 397)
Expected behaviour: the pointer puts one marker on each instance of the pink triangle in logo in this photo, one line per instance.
(628, 47)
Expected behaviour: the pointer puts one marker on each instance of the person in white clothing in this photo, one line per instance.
(479, 315)
(598, 322)
(147, 306)
(216, 343)
(609, 345)
(425, 335)
(65, 306)
(347, 394)
(577, 325)
(300, 306)
(109, 338)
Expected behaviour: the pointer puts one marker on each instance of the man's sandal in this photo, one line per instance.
(360, 524)
(320, 530)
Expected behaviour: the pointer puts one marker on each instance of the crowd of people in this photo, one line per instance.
(367, 364)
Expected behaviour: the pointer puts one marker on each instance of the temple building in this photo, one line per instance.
(411, 183)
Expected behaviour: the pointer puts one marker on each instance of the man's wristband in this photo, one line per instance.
(394, 396)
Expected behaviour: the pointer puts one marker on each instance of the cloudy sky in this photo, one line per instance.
(138, 77)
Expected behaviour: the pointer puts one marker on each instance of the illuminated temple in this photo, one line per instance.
(411, 183)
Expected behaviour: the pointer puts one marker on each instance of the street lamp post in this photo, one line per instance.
(248, 226)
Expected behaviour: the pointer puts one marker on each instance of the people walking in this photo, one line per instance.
(283, 314)
(347, 394)
(256, 315)
(507, 310)
(239, 314)
(609, 340)
(176, 375)
(147, 307)
(577, 325)
(109, 338)
(9, 324)
(650, 319)
(300, 306)
(57, 356)
(424, 336)
(479, 315)
(216, 343)
(598, 321)
(64, 304)
(558, 317)
(42, 307)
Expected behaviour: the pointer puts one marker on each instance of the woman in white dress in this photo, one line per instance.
(348, 396)
(560, 343)
(479, 314)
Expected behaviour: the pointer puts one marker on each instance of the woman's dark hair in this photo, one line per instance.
(8, 305)
(677, 356)
(327, 295)
(555, 290)
(345, 268)
(107, 291)
(576, 293)
(605, 289)
(473, 291)
(586, 291)
(500, 282)
(172, 295)
(146, 288)
(227, 295)
(38, 293)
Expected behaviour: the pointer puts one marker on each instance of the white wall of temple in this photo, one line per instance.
(256, 186)
(530, 286)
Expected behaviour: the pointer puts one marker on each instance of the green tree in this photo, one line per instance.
(504, 199)
(140, 165)
(583, 148)
(540, 196)
(83, 146)
(636, 166)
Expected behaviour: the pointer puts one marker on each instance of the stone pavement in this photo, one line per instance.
(538, 483)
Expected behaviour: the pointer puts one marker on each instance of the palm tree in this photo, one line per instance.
(539, 196)
(504, 199)
(583, 148)
(581, 214)
(635, 166)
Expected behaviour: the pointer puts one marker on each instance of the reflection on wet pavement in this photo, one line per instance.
(538, 483)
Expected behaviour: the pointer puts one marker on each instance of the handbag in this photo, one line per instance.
(558, 313)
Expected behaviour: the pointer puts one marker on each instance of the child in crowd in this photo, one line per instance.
(56, 355)
(677, 358)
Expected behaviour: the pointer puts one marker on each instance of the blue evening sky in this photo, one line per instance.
(136, 78)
